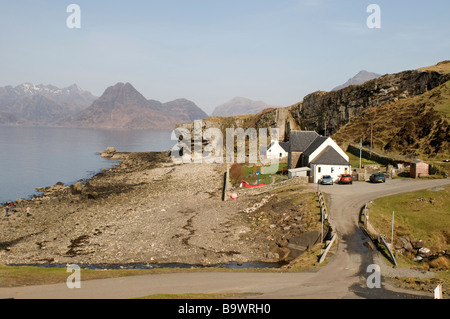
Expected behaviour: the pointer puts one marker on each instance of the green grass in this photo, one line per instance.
(251, 178)
(422, 215)
(13, 276)
(16, 276)
(354, 161)
(444, 100)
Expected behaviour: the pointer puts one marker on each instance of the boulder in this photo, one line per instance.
(417, 244)
(108, 152)
(424, 252)
(405, 243)
(283, 253)
(76, 188)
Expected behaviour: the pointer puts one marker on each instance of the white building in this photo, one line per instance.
(321, 154)
(275, 150)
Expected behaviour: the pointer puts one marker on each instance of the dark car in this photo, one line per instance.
(346, 179)
(326, 180)
(377, 178)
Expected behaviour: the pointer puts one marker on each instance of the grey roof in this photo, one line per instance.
(315, 144)
(329, 156)
(300, 140)
(285, 146)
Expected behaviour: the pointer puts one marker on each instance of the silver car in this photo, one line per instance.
(326, 180)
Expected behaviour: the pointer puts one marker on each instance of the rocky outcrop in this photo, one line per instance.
(326, 112)
(416, 249)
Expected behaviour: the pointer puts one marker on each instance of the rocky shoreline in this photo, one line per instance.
(145, 210)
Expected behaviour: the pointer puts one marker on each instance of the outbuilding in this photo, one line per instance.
(418, 168)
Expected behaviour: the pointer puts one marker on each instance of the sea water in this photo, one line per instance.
(32, 157)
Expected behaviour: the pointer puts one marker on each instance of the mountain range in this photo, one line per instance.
(241, 106)
(41, 104)
(120, 106)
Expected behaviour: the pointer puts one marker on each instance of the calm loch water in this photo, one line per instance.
(33, 157)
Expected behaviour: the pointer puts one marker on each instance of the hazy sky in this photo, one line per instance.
(210, 51)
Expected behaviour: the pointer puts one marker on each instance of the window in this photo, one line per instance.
(319, 169)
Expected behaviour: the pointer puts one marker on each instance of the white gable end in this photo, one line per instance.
(327, 142)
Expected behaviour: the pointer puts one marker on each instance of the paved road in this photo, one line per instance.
(343, 277)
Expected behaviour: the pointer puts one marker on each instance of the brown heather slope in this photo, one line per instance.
(442, 67)
(417, 126)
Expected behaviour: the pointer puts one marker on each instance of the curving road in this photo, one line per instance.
(344, 276)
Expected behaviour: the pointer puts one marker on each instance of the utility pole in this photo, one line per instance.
(392, 231)
(371, 131)
(360, 152)
(321, 234)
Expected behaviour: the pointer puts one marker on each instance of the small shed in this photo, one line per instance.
(298, 172)
(418, 168)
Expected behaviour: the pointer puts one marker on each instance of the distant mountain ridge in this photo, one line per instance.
(360, 78)
(42, 104)
(241, 106)
(122, 106)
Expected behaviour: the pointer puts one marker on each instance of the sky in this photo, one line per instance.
(210, 51)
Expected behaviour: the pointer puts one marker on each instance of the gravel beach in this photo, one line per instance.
(145, 210)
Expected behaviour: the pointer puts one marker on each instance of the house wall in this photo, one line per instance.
(319, 170)
(275, 151)
(294, 159)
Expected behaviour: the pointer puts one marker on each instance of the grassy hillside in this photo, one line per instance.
(420, 215)
(443, 67)
(417, 126)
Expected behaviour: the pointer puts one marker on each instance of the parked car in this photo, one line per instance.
(346, 179)
(377, 178)
(326, 180)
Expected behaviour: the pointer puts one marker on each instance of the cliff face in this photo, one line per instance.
(326, 112)
(416, 127)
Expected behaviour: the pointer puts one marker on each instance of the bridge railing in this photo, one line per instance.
(374, 234)
(332, 229)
